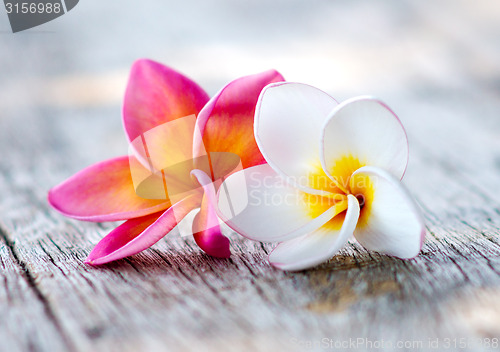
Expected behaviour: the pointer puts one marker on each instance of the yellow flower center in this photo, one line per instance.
(345, 183)
(343, 168)
(363, 188)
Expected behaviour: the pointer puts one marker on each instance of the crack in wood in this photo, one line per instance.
(30, 280)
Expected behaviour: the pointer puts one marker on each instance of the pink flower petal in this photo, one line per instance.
(156, 94)
(390, 221)
(318, 246)
(103, 192)
(226, 122)
(134, 236)
(168, 152)
(206, 229)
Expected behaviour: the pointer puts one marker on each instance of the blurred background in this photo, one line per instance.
(444, 53)
(434, 63)
(390, 49)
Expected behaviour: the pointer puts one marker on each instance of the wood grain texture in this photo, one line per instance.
(173, 297)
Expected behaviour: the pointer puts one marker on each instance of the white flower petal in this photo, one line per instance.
(363, 131)
(288, 122)
(390, 221)
(318, 246)
(257, 203)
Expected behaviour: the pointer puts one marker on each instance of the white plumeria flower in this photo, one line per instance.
(333, 171)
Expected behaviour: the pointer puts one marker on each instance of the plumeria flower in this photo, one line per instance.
(333, 171)
(157, 95)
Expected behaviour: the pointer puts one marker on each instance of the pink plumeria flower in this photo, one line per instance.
(333, 171)
(157, 95)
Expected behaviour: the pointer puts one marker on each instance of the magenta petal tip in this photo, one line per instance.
(213, 243)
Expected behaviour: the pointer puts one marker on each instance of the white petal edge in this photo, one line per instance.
(365, 128)
(317, 247)
(258, 204)
(288, 122)
(394, 224)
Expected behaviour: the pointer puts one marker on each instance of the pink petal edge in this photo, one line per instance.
(102, 192)
(157, 94)
(206, 229)
(232, 109)
(126, 240)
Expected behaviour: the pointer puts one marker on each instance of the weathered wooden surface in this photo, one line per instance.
(437, 65)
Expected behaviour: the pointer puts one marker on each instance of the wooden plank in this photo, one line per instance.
(173, 296)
